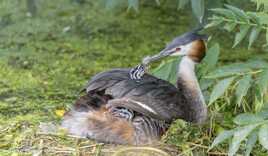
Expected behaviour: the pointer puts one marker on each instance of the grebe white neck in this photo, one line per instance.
(188, 82)
(187, 69)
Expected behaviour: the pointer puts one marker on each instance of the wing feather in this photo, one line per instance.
(149, 96)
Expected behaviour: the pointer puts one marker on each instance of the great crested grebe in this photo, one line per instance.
(117, 109)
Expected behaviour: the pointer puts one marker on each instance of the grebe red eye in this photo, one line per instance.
(177, 49)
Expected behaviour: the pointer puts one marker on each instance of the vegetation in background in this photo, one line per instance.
(49, 49)
(251, 89)
(246, 81)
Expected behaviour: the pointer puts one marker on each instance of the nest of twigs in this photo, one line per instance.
(45, 140)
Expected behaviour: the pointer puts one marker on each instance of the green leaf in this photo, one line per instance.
(211, 59)
(219, 89)
(225, 12)
(263, 136)
(263, 17)
(173, 74)
(198, 8)
(254, 35)
(240, 13)
(256, 64)
(239, 135)
(254, 17)
(167, 70)
(182, 4)
(247, 118)
(242, 88)
(229, 26)
(133, 4)
(262, 81)
(212, 56)
(163, 70)
(241, 34)
(228, 70)
(252, 139)
(214, 23)
(221, 137)
(263, 113)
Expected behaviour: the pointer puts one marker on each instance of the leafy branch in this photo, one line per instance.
(251, 127)
(233, 18)
(239, 79)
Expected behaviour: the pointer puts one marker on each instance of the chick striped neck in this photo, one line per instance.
(187, 83)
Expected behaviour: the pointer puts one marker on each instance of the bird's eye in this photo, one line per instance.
(177, 49)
